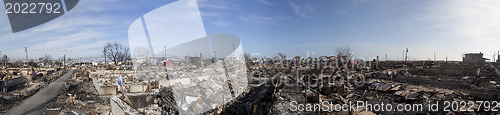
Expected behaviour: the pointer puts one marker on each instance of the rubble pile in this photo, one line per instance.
(233, 86)
(167, 102)
(258, 100)
(79, 97)
(392, 84)
(28, 86)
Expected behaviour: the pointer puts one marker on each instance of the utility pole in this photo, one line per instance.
(105, 61)
(493, 59)
(3, 58)
(494, 55)
(434, 56)
(64, 61)
(26, 50)
(403, 58)
(214, 58)
(201, 60)
(498, 55)
(406, 56)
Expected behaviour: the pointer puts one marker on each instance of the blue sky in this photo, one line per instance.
(294, 27)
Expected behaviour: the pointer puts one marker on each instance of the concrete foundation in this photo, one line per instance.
(120, 107)
(104, 90)
(137, 88)
(142, 101)
(14, 81)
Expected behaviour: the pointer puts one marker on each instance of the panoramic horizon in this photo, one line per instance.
(249, 57)
(291, 27)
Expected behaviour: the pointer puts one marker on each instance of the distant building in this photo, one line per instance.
(498, 59)
(474, 58)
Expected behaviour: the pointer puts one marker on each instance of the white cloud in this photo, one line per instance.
(74, 23)
(478, 21)
(260, 20)
(212, 14)
(221, 22)
(302, 10)
(266, 2)
(81, 28)
(461, 26)
(70, 41)
(215, 4)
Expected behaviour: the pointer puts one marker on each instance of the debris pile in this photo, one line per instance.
(217, 86)
(21, 85)
(79, 97)
(395, 84)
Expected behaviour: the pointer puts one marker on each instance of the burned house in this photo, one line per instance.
(474, 58)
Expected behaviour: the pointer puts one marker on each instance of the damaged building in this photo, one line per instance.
(474, 58)
(234, 85)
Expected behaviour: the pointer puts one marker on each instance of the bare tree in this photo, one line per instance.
(124, 55)
(116, 52)
(5, 59)
(344, 51)
(246, 56)
(60, 61)
(46, 59)
(142, 52)
(281, 55)
(17, 63)
(32, 63)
